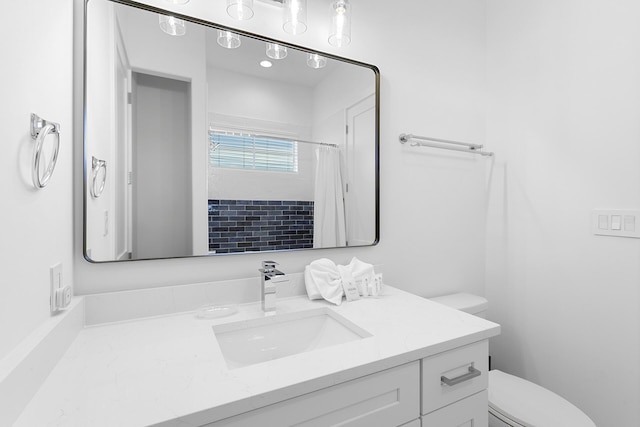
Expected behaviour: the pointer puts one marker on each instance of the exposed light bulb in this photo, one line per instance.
(276, 51)
(294, 19)
(241, 10)
(172, 26)
(316, 61)
(340, 33)
(228, 40)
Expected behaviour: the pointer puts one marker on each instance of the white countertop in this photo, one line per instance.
(170, 369)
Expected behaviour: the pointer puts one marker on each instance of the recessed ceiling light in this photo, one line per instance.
(265, 64)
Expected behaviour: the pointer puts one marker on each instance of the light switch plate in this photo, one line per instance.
(619, 223)
(603, 222)
(630, 222)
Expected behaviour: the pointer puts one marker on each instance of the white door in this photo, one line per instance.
(162, 208)
(360, 197)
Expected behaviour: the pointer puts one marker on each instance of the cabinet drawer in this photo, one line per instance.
(387, 398)
(469, 412)
(465, 369)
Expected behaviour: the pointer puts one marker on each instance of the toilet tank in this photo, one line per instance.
(468, 303)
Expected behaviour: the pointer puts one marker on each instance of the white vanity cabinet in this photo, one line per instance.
(410, 395)
(463, 401)
(387, 399)
(469, 412)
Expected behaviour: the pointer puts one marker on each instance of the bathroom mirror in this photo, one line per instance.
(211, 150)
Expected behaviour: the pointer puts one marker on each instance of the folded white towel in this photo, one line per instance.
(323, 278)
(360, 270)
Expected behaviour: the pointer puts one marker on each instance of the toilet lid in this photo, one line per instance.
(468, 303)
(530, 405)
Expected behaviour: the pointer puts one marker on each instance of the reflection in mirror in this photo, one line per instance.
(221, 142)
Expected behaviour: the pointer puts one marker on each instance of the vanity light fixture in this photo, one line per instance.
(340, 33)
(265, 64)
(276, 51)
(294, 19)
(228, 39)
(172, 26)
(316, 61)
(241, 10)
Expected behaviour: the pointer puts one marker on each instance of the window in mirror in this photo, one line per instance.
(245, 151)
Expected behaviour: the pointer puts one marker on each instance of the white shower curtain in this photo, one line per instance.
(329, 228)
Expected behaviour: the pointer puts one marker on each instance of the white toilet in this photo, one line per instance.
(513, 401)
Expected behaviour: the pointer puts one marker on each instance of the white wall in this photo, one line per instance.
(36, 224)
(343, 87)
(432, 202)
(245, 102)
(564, 119)
(432, 206)
(246, 96)
(100, 127)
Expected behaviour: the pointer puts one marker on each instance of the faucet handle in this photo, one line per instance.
(268, 266)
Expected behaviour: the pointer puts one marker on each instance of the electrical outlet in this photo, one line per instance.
(56, 283)
(63, 297)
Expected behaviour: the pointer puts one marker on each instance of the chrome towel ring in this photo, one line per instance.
(40, 129)
(97, 185)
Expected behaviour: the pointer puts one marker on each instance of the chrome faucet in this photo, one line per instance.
(270, 276)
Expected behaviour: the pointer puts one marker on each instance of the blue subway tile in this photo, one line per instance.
(252, 225)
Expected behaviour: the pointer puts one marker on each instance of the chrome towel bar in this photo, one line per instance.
(425, 141)
(40, 129)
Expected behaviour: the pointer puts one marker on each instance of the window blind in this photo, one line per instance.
(252, 152)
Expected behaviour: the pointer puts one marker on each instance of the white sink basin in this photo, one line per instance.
(260, 340)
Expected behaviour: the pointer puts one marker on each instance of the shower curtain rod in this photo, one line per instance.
(426, 141)
(276, 136)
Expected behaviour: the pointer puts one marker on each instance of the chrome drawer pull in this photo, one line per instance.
(473, 372)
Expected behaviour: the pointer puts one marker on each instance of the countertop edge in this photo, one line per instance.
(416, 344)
